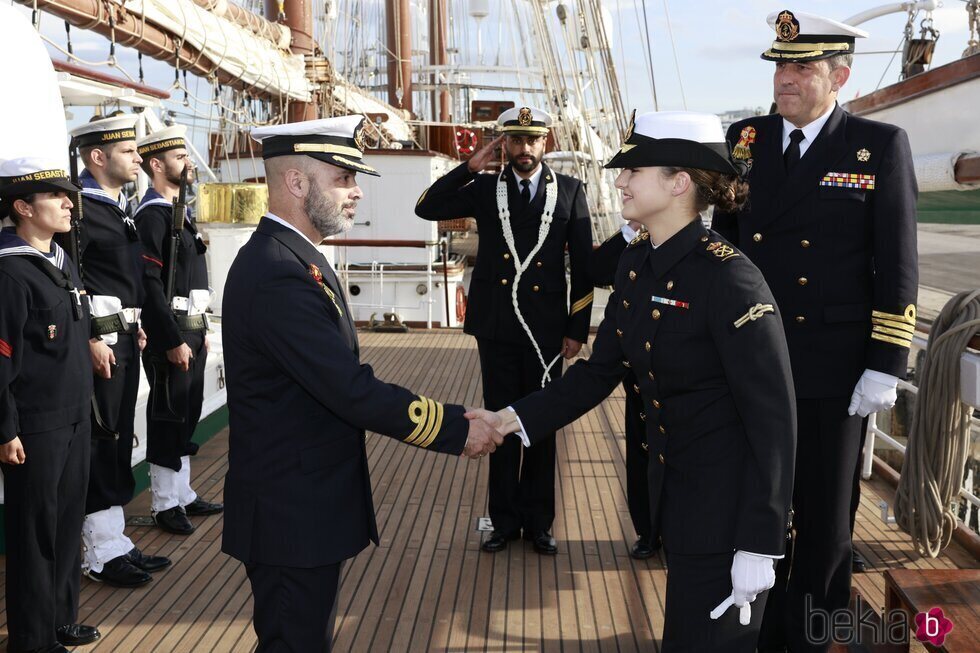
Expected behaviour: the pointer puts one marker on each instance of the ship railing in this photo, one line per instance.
(379, 270)
(875, 434)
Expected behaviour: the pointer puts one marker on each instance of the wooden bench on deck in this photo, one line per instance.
(955, 591)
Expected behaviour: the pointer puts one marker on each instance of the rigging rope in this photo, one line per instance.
(939, 440)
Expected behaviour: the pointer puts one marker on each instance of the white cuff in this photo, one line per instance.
(628, 232)
(881, 377)
(521, 433)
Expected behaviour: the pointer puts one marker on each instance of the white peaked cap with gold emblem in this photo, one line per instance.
(674, 138)
(801, 36)
(338, 141)
(106, 131)
(170, 138)
(528, 121)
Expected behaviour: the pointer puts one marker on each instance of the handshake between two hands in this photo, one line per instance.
(487, 430)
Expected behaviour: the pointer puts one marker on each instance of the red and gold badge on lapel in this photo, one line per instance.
(742, 149)
(318, 277)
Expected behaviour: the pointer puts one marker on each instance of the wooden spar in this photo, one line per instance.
(258, 25)
(398, 22)
(298, 17)
(129, 30)
(112, 80)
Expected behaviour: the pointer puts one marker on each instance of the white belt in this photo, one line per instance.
(132, 315)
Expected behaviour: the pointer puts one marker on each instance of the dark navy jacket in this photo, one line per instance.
(45, 365)
(718, 398)
(841, 261)
(550, 311)
(298, 493)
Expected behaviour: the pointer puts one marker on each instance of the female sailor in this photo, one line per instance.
(696, 323)
(45, 399)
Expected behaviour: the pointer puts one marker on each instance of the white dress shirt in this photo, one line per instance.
(810, 132)
(535, 179)
(276, 218)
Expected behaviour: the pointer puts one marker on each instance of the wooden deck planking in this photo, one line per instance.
(428, 586)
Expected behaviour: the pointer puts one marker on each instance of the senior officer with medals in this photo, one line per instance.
(695, 323)
(45, 401)
(832, 226)
(177, 343)
(298, 493)
(112, 273)
(519, 308)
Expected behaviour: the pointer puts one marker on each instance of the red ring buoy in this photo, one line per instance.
(460, 304)
(465, 141)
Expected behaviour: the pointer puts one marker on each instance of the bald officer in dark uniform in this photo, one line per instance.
(519, 306)
(832, 226)
(298, 494)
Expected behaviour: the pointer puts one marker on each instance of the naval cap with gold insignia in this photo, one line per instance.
(807, 37)
(162, 140)
(25, 176)
(525, 121)
(338, 141)
(105, 131)
(674, 138)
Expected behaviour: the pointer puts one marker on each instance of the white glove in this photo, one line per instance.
(751, 574)
(874, 391)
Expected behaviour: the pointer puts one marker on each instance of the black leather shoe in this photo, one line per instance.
(497, 541)
(175, 521)
(643, 549)
(858, 564)
(147, 563)
(543, 542)
(118, 572)
(77, 634)
(201, 507)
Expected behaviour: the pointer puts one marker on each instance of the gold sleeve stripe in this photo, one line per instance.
(892, 332)
(908, 317)
(418, 414)
(422, 196)
(436, 425)
(427, 415)
(891, 324)
(889, 339)
(582, 303)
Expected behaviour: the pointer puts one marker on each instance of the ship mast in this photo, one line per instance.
(297, 15)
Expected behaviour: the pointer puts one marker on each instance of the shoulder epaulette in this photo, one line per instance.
(721, 251)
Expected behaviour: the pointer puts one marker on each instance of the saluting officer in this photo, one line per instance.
(603, 263)
(45, 401)
(695, 322)
(177, 347)
(518, 307)
(298, 492)
(832, 226)
(112, 272)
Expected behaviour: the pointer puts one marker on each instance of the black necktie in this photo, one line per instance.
(792, 154)
(526, 191)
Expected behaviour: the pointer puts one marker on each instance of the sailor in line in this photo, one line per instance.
(177, 296)
(112, 272)
(519, 308)
(298, 490)
(694, 321)
(832, 226)
(45, 401)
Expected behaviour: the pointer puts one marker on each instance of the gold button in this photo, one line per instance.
(643, 417)
(804, 243)
(662, 429)
(802, 281)
(670, 285)
(656, 313)
(626, 363)
(647, 345)
(704, 239)
(626, 304)
(506, 256)
(656, 404)
(619, 333)
(645, 446)
(757, 237)
(800, 319)
(652, 377)
(536, 288)
(632, 276)
(539, 264)
(503, 282)
(636, 388)
(661, 458)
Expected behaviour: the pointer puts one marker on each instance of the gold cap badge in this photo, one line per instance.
(524, 117)
(787, 27)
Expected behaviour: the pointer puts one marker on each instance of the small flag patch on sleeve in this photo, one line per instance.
(6, 349)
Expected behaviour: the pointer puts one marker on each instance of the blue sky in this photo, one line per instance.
(717, 43)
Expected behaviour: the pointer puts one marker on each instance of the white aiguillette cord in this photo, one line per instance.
(550, 201)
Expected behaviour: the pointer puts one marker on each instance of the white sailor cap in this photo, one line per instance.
(170, 138)
(338, 141)
(525, 120)
(674, 138)
(105, 131)
(807, 37)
